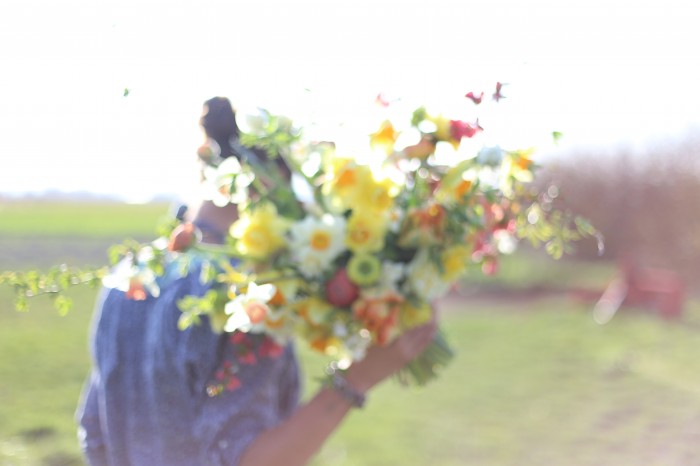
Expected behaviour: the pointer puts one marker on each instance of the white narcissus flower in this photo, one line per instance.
(125, 275)
(392, 274)
(424, 278)
(316, 242)
(227, 183)
(248, 312)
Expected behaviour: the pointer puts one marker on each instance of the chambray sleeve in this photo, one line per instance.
(89, 429)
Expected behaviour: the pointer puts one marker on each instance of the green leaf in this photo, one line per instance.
(63, 304)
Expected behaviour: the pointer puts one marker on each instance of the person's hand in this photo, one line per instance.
(383, 361)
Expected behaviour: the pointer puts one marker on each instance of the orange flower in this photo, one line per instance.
(379, 314)
(182, 237)
(423, 226)
(257, 311)
(136, 290)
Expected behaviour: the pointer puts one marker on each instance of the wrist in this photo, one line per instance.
(346, 386)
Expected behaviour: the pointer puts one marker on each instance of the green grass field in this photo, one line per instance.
(535, 380)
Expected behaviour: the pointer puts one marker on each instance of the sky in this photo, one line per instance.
(602, 72)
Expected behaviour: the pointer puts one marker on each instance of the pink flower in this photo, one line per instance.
(340, 290)
(474, 98)
(497, 96)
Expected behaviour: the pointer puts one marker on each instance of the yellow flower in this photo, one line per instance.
(328, 345)
(313, 310)
(442, 127)
(457, 182)
(523, 158)
(346, 181)
(260, 233)
(455, 261)
(385, 137)
(412, 315)
(374, 195)
(365, 232)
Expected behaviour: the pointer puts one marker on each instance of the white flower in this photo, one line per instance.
(227, 183)
(505, 242)
(392, 274)
(248, 312)
(122, 276)
(424, 278)
(316, 242)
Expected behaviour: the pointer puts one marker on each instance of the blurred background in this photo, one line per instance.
(99, 104)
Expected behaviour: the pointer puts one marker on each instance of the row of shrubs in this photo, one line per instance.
(645, 203)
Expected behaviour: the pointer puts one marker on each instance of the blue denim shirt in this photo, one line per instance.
(145, 401)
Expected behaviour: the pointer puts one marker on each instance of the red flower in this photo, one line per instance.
(340, 290)
(474, 98)
(233, 383)
(247, 357)
(460, 129)
(270, 349)
(240, 338)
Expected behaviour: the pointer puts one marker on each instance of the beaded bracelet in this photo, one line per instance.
(344, 389)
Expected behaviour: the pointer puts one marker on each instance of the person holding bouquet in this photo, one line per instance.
(161, 393)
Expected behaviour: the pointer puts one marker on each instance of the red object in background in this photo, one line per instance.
(662, 290)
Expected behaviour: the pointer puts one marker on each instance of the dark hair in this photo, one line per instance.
(219, 123)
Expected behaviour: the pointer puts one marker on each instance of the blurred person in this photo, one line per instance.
(146, 403)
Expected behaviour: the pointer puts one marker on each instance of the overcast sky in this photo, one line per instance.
(600, 71)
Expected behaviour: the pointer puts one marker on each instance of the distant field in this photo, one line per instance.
(89, 219)
(535, 381)
(44, 233)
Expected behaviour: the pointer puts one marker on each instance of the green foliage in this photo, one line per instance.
(274, 134)
(54, 283)
(556, 229)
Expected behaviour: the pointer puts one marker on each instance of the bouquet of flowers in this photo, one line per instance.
(345, 254)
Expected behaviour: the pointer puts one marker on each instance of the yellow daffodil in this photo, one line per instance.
(455, 261)
(365, 232)
(260, 233)
(385, 137)
(375, 195)
(346, 181)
